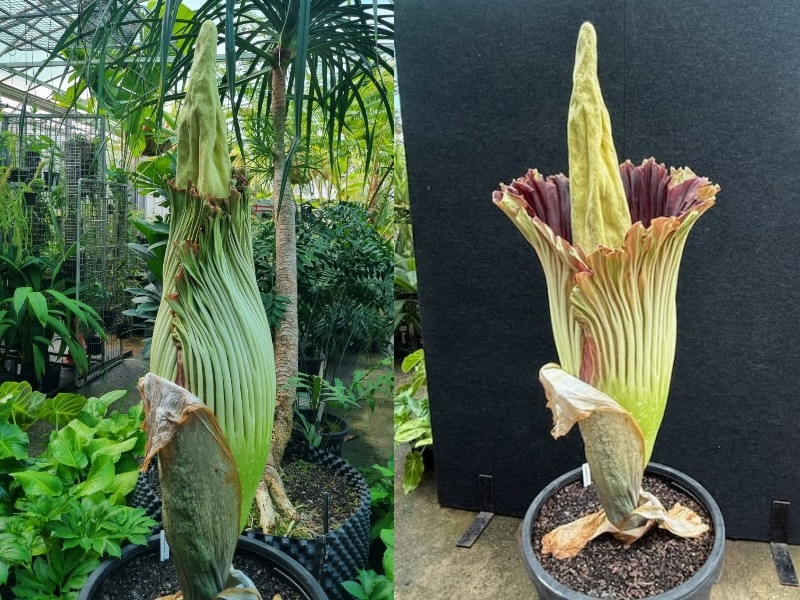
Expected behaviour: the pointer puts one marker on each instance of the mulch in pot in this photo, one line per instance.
(305, 484)
(145, 577)
(606, 568)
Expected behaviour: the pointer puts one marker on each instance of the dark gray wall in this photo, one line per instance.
(716, 86)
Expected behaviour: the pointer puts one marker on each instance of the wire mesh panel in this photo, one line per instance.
(76, 211)
(105, 263)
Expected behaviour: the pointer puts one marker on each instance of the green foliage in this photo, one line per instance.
(344, 271)
(407, 321)
(14, 222)
(387, 535)
(37, 302)
(370, 586)
(381, 489)
(363, 389)
(63, 510)
(147, 298)
(152, 176)
(412, 418)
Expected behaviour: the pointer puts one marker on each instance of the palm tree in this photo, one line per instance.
(302, 53)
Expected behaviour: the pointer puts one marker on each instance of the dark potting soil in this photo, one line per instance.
(305, 484)
(147, 578)
(606, 568)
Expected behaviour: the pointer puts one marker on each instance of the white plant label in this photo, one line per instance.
(164, 546)
(587, 475)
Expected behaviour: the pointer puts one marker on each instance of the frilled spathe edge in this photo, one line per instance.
(652, 192)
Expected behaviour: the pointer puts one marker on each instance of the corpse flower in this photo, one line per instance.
(610, 239)
(210, 396)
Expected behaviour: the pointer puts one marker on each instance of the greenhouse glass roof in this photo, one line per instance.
(29, 32)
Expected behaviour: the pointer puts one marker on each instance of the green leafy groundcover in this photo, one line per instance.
(63, 510)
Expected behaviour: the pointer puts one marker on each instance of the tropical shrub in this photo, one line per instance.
(344, 278)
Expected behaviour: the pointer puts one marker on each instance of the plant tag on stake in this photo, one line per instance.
(164, 547)
(587, 475)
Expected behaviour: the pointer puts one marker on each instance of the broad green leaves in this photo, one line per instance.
(61, 409)
(36, 483)
(99, 479)
(413, 469)
(63, 510)
(387, 535)
(13, 441)
(370, 586)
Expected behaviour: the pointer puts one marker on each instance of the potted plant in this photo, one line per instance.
(319, 427)
(37, 304)
(63, 494)
(201, 498)
(32, 189)
(610, 239)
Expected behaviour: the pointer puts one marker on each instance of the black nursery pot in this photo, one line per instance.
(334, 431)
(340, 554)
(282, 566)
(697, 587)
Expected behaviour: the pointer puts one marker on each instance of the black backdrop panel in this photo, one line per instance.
(484, 90)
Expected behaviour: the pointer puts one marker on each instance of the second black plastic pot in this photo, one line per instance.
(697, 587)
(281, 565)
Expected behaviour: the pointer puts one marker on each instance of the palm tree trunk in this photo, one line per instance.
(287, 336)
(271, 496)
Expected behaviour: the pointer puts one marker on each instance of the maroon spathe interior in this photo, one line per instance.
(545, 199)
(650, 195)
(647, 189)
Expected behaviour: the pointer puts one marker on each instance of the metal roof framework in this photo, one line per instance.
(29, 32)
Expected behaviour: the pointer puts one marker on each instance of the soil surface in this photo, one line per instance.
(305, 484)
(606, 568)
(146, 578)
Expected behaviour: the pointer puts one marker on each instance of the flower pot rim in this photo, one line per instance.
(285, 566)
(708, 574)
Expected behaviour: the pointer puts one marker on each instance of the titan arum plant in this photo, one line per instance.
(211, 342)
(610, 240)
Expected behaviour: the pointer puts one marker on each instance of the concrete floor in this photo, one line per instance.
(429, 565)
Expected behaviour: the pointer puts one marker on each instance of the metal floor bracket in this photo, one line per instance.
(486, 503)
(779, 536)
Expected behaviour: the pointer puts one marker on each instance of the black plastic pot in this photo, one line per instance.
(51, 178)
(311, 364)
(331, 559)
(283, 566)
(95, 345)
(51, 379)
(333, 431)
(698, 587)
